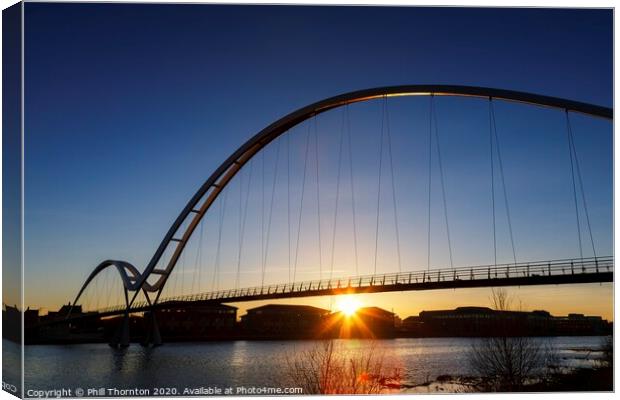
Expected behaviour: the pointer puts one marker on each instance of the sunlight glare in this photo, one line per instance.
(348, 305)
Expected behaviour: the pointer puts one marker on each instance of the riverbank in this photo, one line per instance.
(597, 379)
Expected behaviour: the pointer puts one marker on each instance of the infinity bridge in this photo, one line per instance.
(265, 219)
(585, 270)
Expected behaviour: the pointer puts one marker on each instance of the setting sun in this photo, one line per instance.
(348, 305)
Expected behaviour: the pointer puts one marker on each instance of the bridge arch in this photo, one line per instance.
(195, 209)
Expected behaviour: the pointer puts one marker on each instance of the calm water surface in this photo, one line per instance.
(250, 363)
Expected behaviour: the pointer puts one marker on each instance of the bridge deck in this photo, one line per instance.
(571, 271)
(586, 270)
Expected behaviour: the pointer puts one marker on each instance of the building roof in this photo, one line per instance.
(511, 313)
(473, 308)
(289, 307)
(189, 305)
(373, 310)
(460, 310)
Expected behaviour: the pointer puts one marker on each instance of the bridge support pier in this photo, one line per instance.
(121, 338)
(153, 337)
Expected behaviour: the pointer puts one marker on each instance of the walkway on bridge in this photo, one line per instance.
(581, 270)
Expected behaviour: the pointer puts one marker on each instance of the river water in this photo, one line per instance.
(248, 363)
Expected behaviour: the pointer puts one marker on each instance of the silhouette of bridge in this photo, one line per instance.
(586, 270)
(150, 283)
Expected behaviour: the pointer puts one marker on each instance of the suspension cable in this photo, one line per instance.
(176, 282)
(503, 181)
(216, 275)
(430, 180)
(106, 289)
(86, 301)
(245, 216)
(301, 202)
(273, 191)
(318, 193)
(97, 294)
(572, 171)
(492, 187)
(340, 146)
(262, 213)
(379, 184)
(239, 227)
(184, 269)
(443, 187)
(198, 259)
(288, 201)
(352, 189)
(583, 193)
(176, 279)
(164, 266)
(389, 139)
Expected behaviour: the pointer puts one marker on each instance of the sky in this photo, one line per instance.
(129, 108)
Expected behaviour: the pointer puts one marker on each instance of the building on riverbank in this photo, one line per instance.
(197, 322)
(183, 321)
(483, 321)
(11, 323)
(284, 321)
(365, 323)
(39, 326)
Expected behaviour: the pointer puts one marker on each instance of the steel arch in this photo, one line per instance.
(213, 186)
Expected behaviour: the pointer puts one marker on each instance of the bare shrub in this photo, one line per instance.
(500, 299)
(506, 362)
(326, 370)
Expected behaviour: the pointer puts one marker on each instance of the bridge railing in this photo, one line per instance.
(501, 271)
